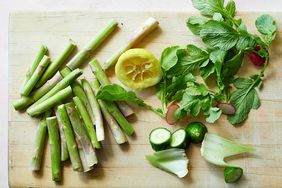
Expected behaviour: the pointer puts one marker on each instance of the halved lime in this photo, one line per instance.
(138, 69)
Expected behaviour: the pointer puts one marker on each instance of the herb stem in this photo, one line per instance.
(163, 96)
(156, 110)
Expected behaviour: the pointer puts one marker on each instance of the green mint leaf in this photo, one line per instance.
(244, 99)
(213, 114)
(231, 8)
(194, 23)
(209, 7)
(169, 57)
(221, 35)
(115, 92)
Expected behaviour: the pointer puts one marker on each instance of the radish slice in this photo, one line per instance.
(227, 108)
(170, 118)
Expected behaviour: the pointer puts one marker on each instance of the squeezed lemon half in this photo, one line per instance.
(138, 69)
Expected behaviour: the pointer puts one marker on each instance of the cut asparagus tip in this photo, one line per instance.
(227, 108)
(35, 77)
(42, 51)
(125, 109)
(72, 42)
(149, 25)
(170, 117)
(50, 102)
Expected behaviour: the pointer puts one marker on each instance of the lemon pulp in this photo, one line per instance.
(138, 69)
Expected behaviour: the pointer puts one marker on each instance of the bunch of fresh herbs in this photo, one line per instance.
(227, 40)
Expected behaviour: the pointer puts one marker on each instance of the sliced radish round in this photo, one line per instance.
(170, 118)
(227, 108)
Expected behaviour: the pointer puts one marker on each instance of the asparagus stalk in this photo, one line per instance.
(39, 96)
(59, 61)
(87, 122)
(86, 151)
(50, 102)
(124, 108)
(86, 52)
(70, 139)
(82, 56)
(104, 80)
(54, 141)
(63, 142)
(148, 26)
(113, 125)
(95, 109)
(79, 92)
(45, 61)
(68, 80)
(42, 51)
(39, 143)
(112, 108)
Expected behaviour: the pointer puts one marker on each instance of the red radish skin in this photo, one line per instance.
(256, 59)
(227, 108)
(170, 119)
(257, 48)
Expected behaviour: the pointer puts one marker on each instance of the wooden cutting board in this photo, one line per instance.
(125, 166)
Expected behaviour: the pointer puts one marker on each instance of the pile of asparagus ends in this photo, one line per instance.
(67, 107)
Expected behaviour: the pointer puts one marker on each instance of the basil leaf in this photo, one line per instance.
(169, 57)
(244, 99)
(194, 23)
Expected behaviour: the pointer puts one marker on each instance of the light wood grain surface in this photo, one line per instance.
(125, 166)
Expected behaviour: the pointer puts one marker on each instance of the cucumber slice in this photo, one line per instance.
(232, 174)
(179, 139)
(160, 138)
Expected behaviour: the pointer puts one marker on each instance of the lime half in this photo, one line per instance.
(138, 69)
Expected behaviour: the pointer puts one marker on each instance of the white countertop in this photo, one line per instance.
(7, 6)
